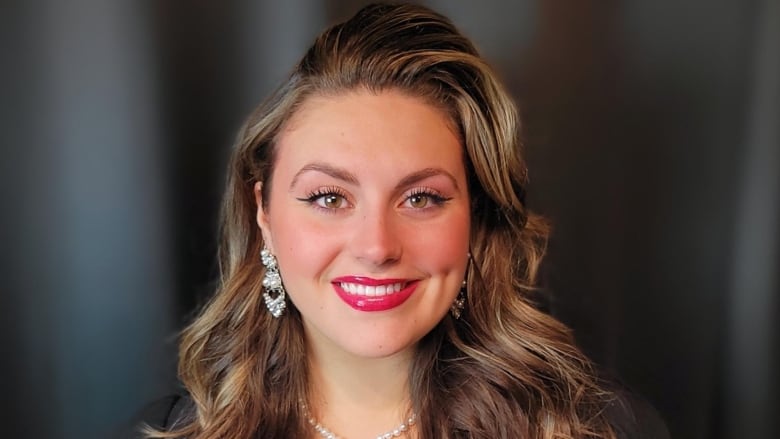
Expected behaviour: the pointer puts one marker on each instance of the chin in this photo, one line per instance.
(377, 349)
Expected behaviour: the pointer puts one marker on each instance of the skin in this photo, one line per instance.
(369, 185)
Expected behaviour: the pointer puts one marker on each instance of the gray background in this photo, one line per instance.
(651, 132)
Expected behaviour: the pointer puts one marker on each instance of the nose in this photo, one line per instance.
(376, 241)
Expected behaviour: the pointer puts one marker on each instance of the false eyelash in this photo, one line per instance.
(433, 195)
(312, 196)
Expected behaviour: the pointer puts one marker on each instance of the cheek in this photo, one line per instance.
(441, 247)
(301, 244)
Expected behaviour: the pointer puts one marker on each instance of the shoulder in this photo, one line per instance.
(162, 414)
(633, 417)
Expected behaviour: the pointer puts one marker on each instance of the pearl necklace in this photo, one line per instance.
(327, 434)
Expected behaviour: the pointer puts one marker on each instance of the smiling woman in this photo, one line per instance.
(377, 261)
(391, 237)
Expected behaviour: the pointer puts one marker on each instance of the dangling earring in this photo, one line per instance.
(456, 309)
(272, 282)
(460, 302)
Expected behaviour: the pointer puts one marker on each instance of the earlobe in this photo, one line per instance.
(261, 217)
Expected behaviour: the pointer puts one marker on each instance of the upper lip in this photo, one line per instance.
(369, 281)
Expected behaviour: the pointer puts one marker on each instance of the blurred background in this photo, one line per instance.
(651, 132)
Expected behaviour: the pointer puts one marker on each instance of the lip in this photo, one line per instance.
(374, 303)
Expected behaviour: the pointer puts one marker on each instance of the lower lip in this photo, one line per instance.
(375, 303)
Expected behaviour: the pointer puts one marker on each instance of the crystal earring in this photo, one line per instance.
(460, 302)
(456, 309)
(272, 283)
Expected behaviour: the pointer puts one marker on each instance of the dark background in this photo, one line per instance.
(651, 130)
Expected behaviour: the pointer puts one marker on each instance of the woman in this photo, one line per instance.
(377, 261)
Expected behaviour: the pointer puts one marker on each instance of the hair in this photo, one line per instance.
(504, 369)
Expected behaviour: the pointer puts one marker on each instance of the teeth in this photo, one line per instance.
(371, 291)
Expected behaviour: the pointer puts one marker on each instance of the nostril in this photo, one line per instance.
(376, 241)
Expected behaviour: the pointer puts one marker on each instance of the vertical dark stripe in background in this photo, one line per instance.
(750, 398)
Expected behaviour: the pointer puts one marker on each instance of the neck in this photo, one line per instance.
(358, 397)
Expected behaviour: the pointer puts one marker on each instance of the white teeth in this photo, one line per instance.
(370, 290)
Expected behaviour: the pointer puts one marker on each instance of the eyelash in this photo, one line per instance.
(312, 197)
(433, 196)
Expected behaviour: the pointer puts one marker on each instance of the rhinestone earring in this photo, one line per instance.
(272, 283)
(460, 302)
(456, 309)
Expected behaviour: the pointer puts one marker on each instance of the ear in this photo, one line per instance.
(262, 217)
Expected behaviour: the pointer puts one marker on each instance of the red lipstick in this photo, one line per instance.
(368, 294)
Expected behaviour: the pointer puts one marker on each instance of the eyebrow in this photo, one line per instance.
(348, 177)
(337, 173)
(422, 175)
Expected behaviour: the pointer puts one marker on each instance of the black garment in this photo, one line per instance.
(634, 418)
(162, 414)
(631, 416)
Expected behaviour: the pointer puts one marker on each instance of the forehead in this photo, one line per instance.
(384, 128)
(361, 101)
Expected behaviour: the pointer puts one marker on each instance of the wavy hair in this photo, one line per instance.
(504, 370)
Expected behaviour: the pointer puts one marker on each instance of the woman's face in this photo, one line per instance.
(368, 216)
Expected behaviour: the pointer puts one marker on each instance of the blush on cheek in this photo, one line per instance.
(308, 251)
(447, 244)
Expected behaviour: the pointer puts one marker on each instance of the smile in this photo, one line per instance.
(371, 290)
(367, 294)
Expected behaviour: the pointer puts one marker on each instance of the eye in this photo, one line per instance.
(330, 201)
(326, 198)
(418, 201)
(424, 198)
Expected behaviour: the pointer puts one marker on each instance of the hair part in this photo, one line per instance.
(505, 369)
